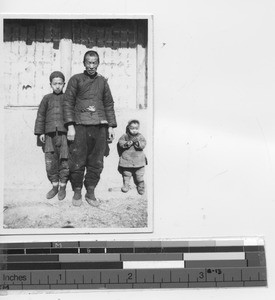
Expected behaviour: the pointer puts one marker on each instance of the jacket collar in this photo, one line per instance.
(91, 76)
(58, 94)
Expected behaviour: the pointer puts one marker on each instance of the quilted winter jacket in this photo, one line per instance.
(50, 115)
(133, 156)
(84, 91)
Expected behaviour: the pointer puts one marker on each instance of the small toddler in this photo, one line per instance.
(132, 159)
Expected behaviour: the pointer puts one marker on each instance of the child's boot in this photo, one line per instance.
(77, 197)
(53, 191)
(141, 187)
(62, 191)
(90, 196)
(126, 184)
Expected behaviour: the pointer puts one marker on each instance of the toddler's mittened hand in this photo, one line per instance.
(129, 143)
(136, 144)
(42, 138)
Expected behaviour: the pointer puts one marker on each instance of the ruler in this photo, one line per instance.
(131, 265)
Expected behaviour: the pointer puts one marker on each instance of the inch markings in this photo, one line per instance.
(253, 276)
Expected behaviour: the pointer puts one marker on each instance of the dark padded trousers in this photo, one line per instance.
(57, 169)
(86, 152)
(137, 174)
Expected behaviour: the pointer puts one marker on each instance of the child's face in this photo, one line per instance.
(133, 128)
(91, 64)
(57, 85)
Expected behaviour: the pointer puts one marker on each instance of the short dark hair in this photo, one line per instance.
(57, 74)
(90, 53)
(134, 121)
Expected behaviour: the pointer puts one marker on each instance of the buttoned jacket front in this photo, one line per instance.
(84, 91)
(50, 115)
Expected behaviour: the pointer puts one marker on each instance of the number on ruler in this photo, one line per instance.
(201, 275)
(130, 276)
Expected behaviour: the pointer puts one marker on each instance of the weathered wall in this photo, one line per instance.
(34, 48)
(27, 70)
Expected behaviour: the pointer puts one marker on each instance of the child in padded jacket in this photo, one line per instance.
(49, 126)
(132, 159)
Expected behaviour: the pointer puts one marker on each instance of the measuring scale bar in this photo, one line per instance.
(138, 264)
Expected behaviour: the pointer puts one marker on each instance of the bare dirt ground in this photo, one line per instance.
(117, 210)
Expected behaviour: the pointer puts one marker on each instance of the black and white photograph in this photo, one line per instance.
(137, 149)
(78, 124)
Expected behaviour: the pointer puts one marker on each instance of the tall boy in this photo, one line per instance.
(90, 117)
(49, 126)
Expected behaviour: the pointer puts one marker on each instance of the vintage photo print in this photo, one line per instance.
(77, 108)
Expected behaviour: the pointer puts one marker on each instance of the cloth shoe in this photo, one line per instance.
(90, 196)
(62, 192)
(125, 188)
(141, 187)
(52, 192)
(126, 184)
(77, 197)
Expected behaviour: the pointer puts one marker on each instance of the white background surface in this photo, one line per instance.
(214, 91)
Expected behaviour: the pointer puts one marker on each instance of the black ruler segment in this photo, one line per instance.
(38, 251)
(176, 249)
(229, 249)
(12, 251)
(131, 265)
(147, 250)
(64, 250)
(120, 250)
(92, 250)
(215, 263)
